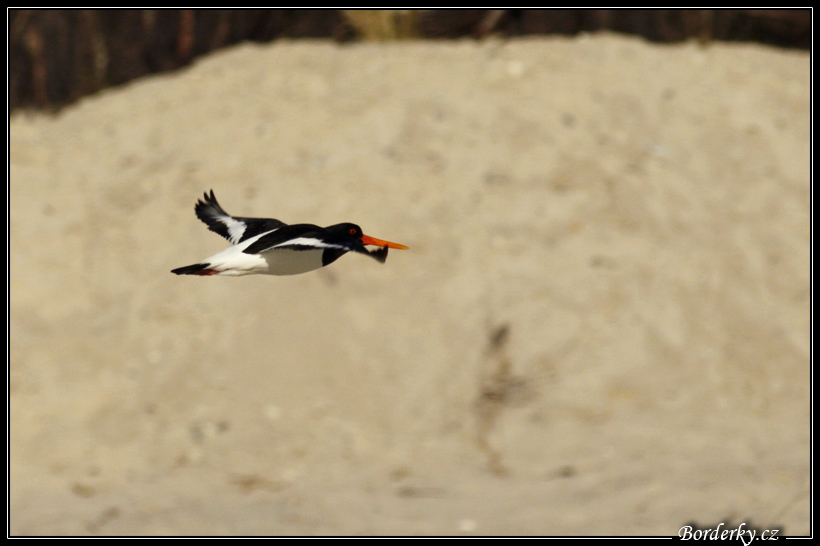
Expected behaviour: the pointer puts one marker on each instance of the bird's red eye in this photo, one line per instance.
(353, 231)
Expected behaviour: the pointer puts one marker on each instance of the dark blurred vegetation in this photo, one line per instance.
(58, 56)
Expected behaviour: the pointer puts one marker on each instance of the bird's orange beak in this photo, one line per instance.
(378, 242)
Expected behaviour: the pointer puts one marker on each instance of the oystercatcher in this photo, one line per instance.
(270, 247)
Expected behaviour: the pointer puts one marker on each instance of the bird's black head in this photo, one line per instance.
(351, 233)
(346, 231)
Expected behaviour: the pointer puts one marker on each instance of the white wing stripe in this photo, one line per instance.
(235, 229)
(307, 241)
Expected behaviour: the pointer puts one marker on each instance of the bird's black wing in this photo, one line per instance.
(234, 228)
(294, 237)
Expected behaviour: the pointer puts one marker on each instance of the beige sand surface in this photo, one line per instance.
(601, 326)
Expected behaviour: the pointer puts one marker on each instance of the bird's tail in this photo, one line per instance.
(196, 269)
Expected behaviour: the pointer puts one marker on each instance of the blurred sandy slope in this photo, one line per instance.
(601, 326)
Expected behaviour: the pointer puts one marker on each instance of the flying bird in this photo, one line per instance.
(264, 246)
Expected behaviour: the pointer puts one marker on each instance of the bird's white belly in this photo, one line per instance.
(286, 261)
(277, 261)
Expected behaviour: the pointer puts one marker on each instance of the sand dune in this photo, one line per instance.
(601, 326)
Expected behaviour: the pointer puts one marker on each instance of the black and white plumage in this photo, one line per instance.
(270, 247)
